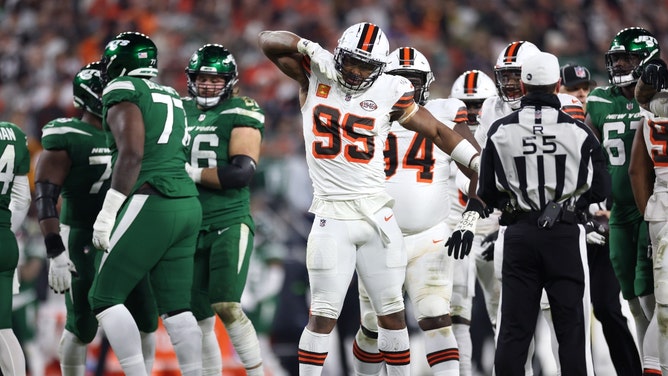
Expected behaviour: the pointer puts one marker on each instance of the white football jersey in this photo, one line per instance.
(345, 135)
(655, 136)
(494, 108)
(417, 171)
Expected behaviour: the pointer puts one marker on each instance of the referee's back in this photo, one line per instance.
(542, 167)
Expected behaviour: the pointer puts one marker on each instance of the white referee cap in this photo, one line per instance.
(541, 68)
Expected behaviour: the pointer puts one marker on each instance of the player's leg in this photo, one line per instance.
(230, 258)
(463, 291)
(381, 266)
(81, 324)
(172, 278)
(330, 261)
(659, 235)
(142, 306)
(12, 359)
(212, 360)
(367, 359)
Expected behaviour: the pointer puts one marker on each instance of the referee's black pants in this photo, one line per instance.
(533, 259)
(607, 309)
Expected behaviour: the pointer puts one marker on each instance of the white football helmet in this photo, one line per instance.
(361, 55)
(473, 87)
(508, 69)
(412, 64)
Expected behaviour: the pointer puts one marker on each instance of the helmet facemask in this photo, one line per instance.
(413, 65)
(508, 83)
(360, 56)
(629, 51)
(87, 89)
(211, 75)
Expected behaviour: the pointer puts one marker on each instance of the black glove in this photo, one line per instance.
(655, 73)
(460, 242)
(488, 244)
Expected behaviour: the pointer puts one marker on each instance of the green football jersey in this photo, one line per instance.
(616, 119)
(165, 140)
(210, 132)
(14, 160)
(87, 182)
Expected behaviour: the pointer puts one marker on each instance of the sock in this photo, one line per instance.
(72, 354)
(212, 360)
(662, 314)
(442, 351)
(648, 304)
(367, 360)
(244, 338)
(313, 349)
(12, 359)
(148, 350)
(186, 337)
(393, 345)
(35, 357)
(123, 336)
(650, 360)
(641, 322)
(463, 335)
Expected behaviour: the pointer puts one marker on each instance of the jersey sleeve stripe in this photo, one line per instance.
(244, 112)
(405, 101)
(62, 130)
(118, 85)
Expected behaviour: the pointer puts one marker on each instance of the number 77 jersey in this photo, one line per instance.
(88, 180)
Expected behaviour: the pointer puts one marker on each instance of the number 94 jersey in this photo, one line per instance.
(88, 180)
(345, 134)
(418, 172)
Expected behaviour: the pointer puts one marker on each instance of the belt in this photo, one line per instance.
(147, 189)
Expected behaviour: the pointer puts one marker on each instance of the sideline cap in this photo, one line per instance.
(573, 75)
(541, 68)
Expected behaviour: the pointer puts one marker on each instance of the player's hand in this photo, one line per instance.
(104, 223)
(61, 269)
(488, 246)
(195, 173)
(321, 58)
(595, 233)
(655, 74)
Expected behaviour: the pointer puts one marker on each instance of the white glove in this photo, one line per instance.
(60, 273)
(320, 57)
(106, 218)
(195, 173)
(595, 238)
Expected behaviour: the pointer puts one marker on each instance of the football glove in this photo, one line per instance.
(655, 74)
(106, 218)
(321, 58)
(61, 269)
(460, 242)
(195, 173)
(488, 245)
(595, 233)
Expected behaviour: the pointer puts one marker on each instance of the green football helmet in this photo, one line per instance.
(215, 60)
(633, 42)
(129, 54)
(87, 88)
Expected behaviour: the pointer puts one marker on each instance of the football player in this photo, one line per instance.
(226, 133)
(14, 204)
(472, 87)
(348, 106)
(417, 174)
(75, 165)
(150, 215)
(614, 115)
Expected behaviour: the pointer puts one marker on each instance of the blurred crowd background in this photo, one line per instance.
(43, 43)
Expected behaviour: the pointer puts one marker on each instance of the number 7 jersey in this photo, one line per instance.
(345, 135)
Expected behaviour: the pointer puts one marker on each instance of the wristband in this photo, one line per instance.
(54, 245)
(113, 202)
(467, 155)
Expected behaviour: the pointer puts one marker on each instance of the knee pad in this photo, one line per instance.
(370, 321)
(431, 306)
(228, 312)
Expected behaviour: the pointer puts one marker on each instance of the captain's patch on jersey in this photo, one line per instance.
(323, 91)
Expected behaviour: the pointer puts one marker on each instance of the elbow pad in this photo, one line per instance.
(46, 198)
(238, 173)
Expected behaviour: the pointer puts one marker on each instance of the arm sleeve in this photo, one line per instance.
(20, 201)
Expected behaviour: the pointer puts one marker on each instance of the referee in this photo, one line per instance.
(542, 168)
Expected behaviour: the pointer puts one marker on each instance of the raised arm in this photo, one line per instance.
(641, 171)
(281, 48)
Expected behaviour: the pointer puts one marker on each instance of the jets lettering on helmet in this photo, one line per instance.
(118, 42)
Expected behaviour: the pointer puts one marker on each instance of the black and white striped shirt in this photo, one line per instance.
(539, 153)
